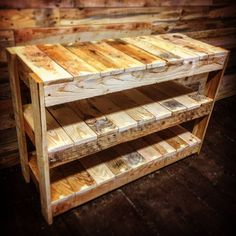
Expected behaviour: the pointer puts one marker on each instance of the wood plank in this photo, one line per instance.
(69, 61)
(120, 118)
(169, 89)
(95, 58)
(153, 107)
(194, 44)
(160, 144)
(93, 117)
(57, 139)
(6, 40)
(148, 152)
(171, 138)
(120, 59)
(139, 54)
(188, 137)
(164, 100)
(184, 53)
(72, 124)
(47, 70)
(97, 169)
(115, 162)
(138, 113)
(153, 49)
(78, 178)
(132, 158)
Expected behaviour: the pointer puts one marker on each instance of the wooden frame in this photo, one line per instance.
(129, 63)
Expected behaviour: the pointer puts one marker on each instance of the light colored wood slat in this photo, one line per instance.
(163, 99)
(153, 49)
(171, 138)
(145, 150)
(153, 107)
(200, 98)
(97, 169)
(78, 178)
(88, 53)
(195, 45)
(184, 134)
(60, 187)
(135, 111)
(68, 60)
(139, 54)
(42, 65)
(169, 89)
(114, 161)
(120, 118)
(160, 144)
(57, 138)
(93, 117)
(181, 52)
(120, 59)
(132, 158)
(72, 124)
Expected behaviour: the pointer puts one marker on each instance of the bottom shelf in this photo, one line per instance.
(80, 181)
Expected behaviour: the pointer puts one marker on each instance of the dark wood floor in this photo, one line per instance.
(196, 196)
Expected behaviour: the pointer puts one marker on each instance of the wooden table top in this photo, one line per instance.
(56, 63)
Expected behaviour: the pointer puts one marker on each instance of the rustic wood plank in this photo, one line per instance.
(40, 130)
(6, 40)
(57, 139)
(181, 52)
(132, 158)
(163, 99)
(171, 90)
(47, 70)
(93, 117)
(120, 118)
(153, 107)
(138, 113)
(72, 124)
(120, 59)
(160, 144)
(115, 162)
(28, 18)
(144, 149)
(69, 61)
(153, 49)
(97, 169)
(148, 59)
(18, 113)
(88, 53)
(78, 178)
(188, 137)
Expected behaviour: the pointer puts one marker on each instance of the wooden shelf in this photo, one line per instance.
(78, 182)
(84, 127)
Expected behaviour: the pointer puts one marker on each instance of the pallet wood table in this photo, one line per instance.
(105, 113)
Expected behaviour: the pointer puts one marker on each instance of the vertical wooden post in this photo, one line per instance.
(211, 90)
(40, 130)
(18, 112)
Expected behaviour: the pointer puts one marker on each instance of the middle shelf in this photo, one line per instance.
(84, 127)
